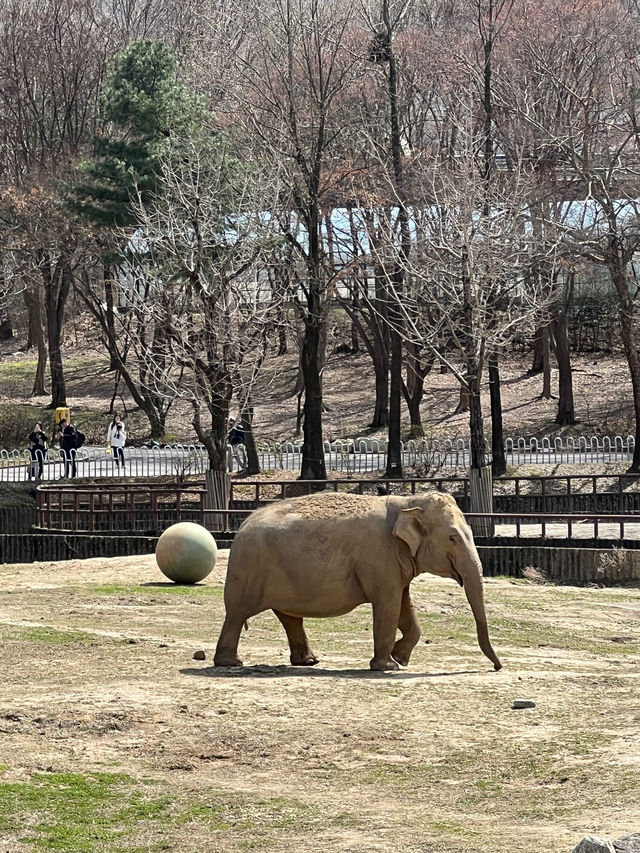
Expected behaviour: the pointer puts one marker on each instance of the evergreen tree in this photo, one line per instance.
(143, 105)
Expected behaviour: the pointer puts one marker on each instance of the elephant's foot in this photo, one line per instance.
(383, 664)
(307, 659)
(401, 654)
(226, 660)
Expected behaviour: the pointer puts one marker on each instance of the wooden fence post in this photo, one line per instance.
(218, 488)
(481, 500)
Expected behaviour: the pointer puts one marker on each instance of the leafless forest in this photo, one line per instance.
(447, 183)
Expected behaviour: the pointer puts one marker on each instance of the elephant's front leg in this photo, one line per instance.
(301, 652)
(410, 629)
(386, 614)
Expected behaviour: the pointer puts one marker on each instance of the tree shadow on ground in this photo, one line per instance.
(263, 671)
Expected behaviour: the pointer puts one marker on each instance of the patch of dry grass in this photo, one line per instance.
(101, 697)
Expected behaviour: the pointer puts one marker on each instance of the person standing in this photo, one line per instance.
(37, 450)
(57, 438)
(235, 439)
(116, 439)
(68, 447)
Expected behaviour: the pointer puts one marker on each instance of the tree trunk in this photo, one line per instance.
(218, 489)
(355, 340)
(6, 326)
(476, 424)
(381, 374)
(537, 363)
(56, 278)
(414, 387)
(472, 365)
(498, 460)
(394, 450)
(416, 429)
(566, 409)
(481, 500)
(253, 463)
(463, 401)
(214, 439)
(546, 365)
(617, 269)
(299, 412)
(145, 399)
(282, 340)
(110, 312)
(31, 298)
(313, 464)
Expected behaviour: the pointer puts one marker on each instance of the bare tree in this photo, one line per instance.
(474, 243)
(391, 15)
(589, 73)
(201, 244)
(52, 58)
(291, 73)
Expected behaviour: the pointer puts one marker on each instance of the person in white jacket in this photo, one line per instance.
(116, 439)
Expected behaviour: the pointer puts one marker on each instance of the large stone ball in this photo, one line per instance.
(186, 552)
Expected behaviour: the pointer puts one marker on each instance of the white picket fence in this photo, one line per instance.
(355, 456)
(578, 449)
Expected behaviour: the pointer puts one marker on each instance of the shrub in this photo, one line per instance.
(17, 422)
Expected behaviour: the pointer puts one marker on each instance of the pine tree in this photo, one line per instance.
(143, 106)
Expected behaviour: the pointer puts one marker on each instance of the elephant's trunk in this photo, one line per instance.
(472, 582)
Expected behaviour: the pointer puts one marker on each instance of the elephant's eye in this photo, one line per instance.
(453, 539)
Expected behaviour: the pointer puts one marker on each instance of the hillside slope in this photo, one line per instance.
(602, 393)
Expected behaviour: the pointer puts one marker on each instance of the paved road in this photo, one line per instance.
(93, 462)
(579, 530)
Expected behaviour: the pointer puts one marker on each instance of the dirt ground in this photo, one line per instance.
(602, 393)
(113, 737)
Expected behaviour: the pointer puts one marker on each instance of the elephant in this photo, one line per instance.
(324, 554)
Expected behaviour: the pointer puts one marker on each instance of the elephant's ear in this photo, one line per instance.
(409, 529)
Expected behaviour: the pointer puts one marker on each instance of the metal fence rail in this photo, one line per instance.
(353, 456)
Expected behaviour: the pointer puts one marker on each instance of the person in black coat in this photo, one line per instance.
(235, 439)
(37, 450)
(69, 447)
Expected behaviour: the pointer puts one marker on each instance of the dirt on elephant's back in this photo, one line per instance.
(333, 505)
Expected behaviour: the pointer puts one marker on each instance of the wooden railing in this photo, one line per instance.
(563, 527)
(151, 508)
(123, 508)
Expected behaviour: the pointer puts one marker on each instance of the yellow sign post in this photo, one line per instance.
(62, 412)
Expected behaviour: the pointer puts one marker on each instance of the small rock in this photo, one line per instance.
(523, 703)
(131, 641)
(628, 844)
(163, 646)
(594, 844)
(199, 655)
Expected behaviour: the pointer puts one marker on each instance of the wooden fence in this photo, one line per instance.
(150, 508)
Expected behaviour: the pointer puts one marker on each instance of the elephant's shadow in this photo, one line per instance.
(283, 671)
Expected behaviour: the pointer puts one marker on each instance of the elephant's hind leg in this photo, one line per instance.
(301, 652)
(227, 648)
(410, 629)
